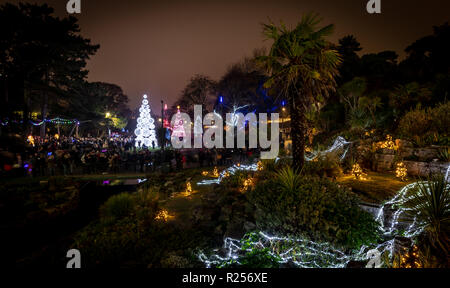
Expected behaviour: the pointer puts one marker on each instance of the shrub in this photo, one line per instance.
(255, 259)
(429, 203)
(327, 165)
(237, 179)
(117, 207)
(318, 209)
(109, 244)
(426, 126)
(289, 179)
(444, 154)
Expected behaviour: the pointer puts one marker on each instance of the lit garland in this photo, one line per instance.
(163, 215)
(247, 184)
(31, 140)
(304, 253)
(339, 145)
(358, 173)
(301, 252)
(188, 190)
(215, 173)
(57, 121)
(401, 171)
(230, 171)
(260, 166)
(388, 144)
(370, 133)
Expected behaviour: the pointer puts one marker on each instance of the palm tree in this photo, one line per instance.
(303, 66)
(371, 105)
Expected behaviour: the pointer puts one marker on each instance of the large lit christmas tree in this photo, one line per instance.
(145, 130)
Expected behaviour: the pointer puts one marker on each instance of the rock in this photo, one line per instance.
(402, 144)
(424, 169)
(383, 162)
(406, 152)
(426, 154)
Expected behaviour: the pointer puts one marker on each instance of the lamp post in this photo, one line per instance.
(163, 144)
(107, 116)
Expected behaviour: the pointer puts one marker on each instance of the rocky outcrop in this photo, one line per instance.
(383, 162)
(420, 162)
(424, 169)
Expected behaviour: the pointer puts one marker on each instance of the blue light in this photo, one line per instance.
(221, 99)
(283, 103)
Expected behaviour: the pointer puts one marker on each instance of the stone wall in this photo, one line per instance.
(420, 162)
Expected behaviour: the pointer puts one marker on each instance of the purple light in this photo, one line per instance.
(107, 182)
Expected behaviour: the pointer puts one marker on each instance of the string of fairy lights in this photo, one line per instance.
(304, 253)
(57, 121)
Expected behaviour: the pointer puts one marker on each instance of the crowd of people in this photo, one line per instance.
(71, 156)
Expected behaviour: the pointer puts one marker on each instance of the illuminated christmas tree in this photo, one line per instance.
(145, 130)
(178, 127)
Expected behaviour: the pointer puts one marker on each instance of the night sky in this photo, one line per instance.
(155, 47)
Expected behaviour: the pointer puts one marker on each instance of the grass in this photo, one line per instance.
(378, 188)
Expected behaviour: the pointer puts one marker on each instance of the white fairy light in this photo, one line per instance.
(145, 129)
(340, 144)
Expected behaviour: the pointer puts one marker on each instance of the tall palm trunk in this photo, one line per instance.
(298, 132)
(44, 108)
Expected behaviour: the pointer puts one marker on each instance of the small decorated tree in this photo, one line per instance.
(178, 127)
(145, 130)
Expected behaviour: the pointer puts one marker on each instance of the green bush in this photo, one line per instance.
(318, 209)
(109, 244)
(236, 180)
(117, 207)
(426, 126)
(325, 166)
(255, 259)
(429, 203)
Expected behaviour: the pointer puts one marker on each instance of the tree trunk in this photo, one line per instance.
(44, 114)
(298, 131)
(44, 108)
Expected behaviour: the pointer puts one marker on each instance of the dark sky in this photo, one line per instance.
(155, 47)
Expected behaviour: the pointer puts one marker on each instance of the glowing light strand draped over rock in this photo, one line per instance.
(145, 130)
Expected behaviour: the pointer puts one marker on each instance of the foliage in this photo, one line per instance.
(43, 57)
(405, 97)
(318, 208)
(136, 238)
(444, 154)
(427, 126)
(327, 165)
(302, 66)
(117, 207)
(236, 180)
(429, 202)
(199, 91)
(254, 258)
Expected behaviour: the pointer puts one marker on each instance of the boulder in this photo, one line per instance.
(383, 162)
(425, 169)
